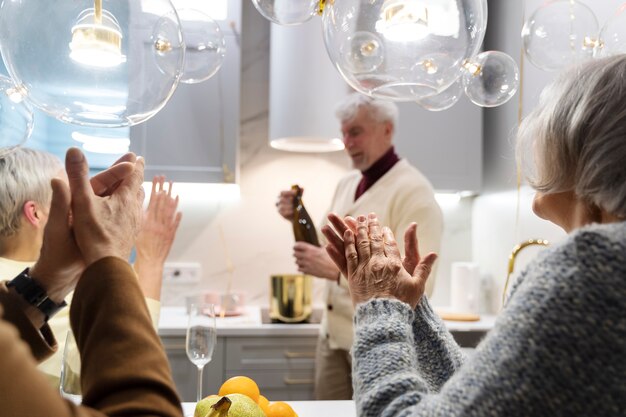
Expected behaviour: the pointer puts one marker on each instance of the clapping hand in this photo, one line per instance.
(89, 220)
(160, 223)
(370, 258)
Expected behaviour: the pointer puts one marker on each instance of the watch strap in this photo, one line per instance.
(34, 294)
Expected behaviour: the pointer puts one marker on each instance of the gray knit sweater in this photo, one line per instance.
(557, 349)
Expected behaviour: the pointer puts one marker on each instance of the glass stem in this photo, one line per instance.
(199, 393)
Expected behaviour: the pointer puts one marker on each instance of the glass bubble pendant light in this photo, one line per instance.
(490, 78)
(402, 50)
(286, 12)
(205, 46)
(444, 100)
(612, 39)
(101, 63)
(560, 33)
(16, 116)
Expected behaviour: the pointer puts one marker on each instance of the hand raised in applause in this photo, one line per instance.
(158, 230)
(371, 260)
(61, 261)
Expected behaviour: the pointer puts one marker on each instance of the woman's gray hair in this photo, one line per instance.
(25, 175)
(576, 136)
(379, 110)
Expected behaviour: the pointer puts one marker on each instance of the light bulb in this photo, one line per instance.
(412, 20)
(560, 33)
(363, 52)
(97, 39)
(491, 78)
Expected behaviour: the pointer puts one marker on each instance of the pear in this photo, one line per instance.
(231, 405)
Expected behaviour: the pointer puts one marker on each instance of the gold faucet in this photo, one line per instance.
(516, 250)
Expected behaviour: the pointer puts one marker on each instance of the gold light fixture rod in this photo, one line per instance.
(97, 6)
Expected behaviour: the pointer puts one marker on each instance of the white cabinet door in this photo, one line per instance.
(195, 137)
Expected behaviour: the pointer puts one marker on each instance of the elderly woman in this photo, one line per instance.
(559, 346)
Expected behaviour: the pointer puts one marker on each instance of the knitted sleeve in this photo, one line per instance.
(437, 353)
(556, 350)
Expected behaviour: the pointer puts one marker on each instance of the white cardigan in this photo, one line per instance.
(401, 196)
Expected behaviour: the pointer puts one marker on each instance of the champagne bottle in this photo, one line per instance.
(303, 228)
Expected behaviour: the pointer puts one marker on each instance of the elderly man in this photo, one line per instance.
(385, 184)
(24, 210)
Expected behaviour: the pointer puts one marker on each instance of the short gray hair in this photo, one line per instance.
(25, 175)
(577, 135)
(379, 110)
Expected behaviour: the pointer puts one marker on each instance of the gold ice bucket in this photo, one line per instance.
(290, 298)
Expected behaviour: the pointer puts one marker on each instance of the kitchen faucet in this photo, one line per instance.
(516, 250)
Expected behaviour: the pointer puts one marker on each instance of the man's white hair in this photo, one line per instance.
(25, 175)
(379, 110)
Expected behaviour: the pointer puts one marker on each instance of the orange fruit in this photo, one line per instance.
(241, 385)
(280, 409)
(264, 403)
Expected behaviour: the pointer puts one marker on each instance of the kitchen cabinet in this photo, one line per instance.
(185, 373)
(195, 137)
(279, 357)
(283, 367)
(446, 146)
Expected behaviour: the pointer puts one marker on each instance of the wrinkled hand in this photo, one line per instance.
(158, 230)
(60, 263)
(284, 204)
(104, 226)
(371, 260)
(313, 260)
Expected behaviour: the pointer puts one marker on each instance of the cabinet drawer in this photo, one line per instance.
(293, 385)
(276, 353)
(185, 373)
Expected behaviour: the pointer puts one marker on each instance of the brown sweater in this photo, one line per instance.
(124, 369)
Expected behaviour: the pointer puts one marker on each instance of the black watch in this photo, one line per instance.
(34, 294)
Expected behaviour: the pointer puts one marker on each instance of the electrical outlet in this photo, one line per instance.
(182, 272)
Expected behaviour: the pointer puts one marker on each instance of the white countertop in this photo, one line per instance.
(173, 322)
(307, 408)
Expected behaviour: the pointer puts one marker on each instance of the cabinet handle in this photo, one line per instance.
(296, 381)
(295, 355)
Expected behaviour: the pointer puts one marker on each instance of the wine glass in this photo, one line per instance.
(201, 338)
(69, 384)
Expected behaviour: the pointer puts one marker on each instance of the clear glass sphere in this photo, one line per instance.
(490, 78)
(286, 12)
(444, 100)
(560, 33)
(613, 35)
(112, 67)
(16, 116)
(205, 46)
(402, 50)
